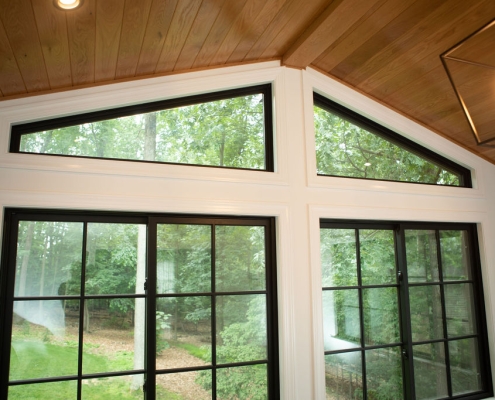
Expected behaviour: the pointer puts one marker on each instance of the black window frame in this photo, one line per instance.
(402, 284)
(12, 217)
(375, 128)
(20, 129)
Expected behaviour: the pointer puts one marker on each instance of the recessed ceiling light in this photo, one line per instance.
(67, 4)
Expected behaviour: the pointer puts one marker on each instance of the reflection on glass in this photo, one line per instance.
(455, 255)
(115, 258)
(240, 258)
(341, 327)
(377, 256)
(464, 366)
(381, 316)
(338, 257)
(426, 313)
(430, 376)
(183, 332)
(241, 328)
(343, 376)
(66, 390)
(459, 309)
(110, 342)
(116, 387)
(48, 258)
(421, 255)
(194, 385)
(384, 373)
(251, 382)
(183, 258)
(44, 339)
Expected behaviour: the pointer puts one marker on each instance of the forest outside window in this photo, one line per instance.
(350, 145)
(230, 129)
(102, 306)
(403, 312)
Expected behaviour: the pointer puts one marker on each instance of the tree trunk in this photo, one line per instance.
(25, 259)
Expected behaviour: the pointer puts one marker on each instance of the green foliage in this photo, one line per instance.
(345, 149)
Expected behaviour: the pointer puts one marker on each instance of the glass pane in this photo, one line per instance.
(430, 374)
(343, 376)
(455, 255)
(384, 373)
(44, 339)
(66, 390)
(459, 309)
(240, 258)
(381, 316)
(226, 133)
(341, 327)
(241, 328)
(116, 258)
(183, 258)
(338, 257)
(183, 332)
(110, 339)
(249, 382)
(117, 387)
(346, 149)
(49, 258)
(377, 256)
(421, 255)
(194, 385)
(465, 366)
(426, 313)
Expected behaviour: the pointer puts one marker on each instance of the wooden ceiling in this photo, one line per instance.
(387, 49)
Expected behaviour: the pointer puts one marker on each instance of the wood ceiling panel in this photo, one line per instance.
(478, 48)
(422, 45)
(331, 24)
(207, 15)
(135, 19)
(52, 30)
(366, 58)
(19, 23)
(218, 32)
(81, 25)
(109, 16)
(182, 21)
(368, 25)
(249, 12)
(256, 29)
(159, 20)
(11, 82)
(297, 22)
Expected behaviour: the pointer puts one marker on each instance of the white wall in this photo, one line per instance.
(293, 194)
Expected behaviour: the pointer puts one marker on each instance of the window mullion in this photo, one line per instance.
(82, 301)
(150, 298)
(405, 316)
(444, 314)
(213, 315)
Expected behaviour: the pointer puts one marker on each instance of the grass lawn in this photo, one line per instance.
(33, 359)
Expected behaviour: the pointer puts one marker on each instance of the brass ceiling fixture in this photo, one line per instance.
(470, 66)
(67, 4)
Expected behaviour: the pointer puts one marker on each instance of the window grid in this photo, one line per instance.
(406, 344)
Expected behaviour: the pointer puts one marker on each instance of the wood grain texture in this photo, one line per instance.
(136, 13)
(324, 31)
(228, 14)
(11, 82)
(161, 14)
(370, 24)
(256, 29)
(81, 24)
(109, 15)
(19, 23)
(207, 15)
(183, 18)
(249, 13)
